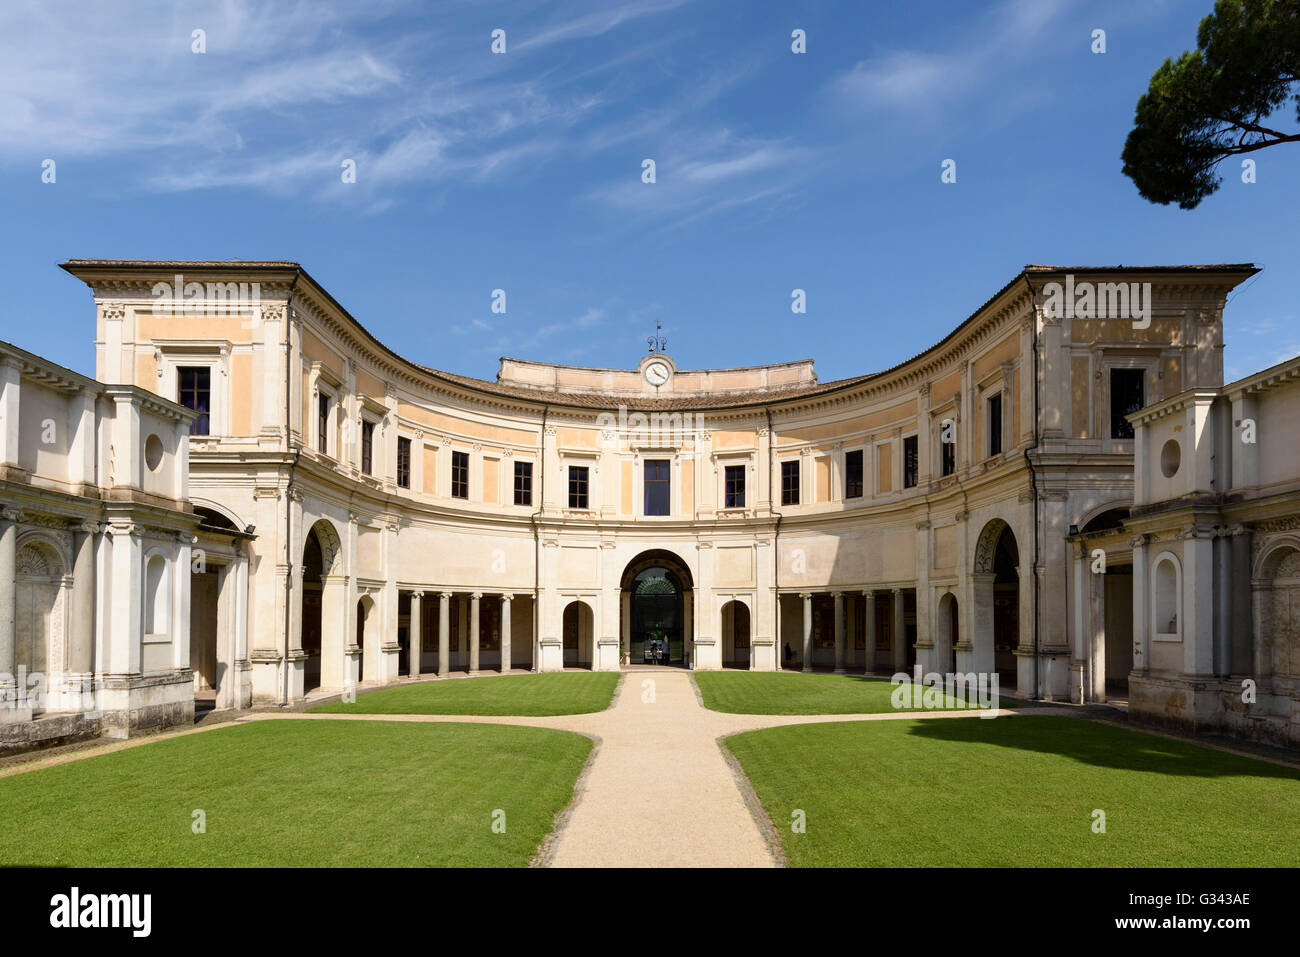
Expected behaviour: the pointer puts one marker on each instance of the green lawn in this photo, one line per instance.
(1016, 791)
(295, 793)
(558, 693)
(774, 692)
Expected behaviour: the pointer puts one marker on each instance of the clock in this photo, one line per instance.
(656, 373)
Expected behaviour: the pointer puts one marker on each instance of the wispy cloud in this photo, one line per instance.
(921, 83)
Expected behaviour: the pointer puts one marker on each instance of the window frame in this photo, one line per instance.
(460, 463)
(663, 485)
(325, 403)
(858, 455)
(180, 396)
(993, 440)
(367, 447)
(528, 479)
(403, 445)
(791, 468)
(915, 464)
(1140, 371)
(733, 497)
(584, 492)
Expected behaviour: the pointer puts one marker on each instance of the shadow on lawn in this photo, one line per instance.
(1101, 745)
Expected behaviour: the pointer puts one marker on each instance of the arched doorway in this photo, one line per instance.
(323, 609)
(578, 632)
(996, 613)
(364, 606)
(735, 635)
(38, 608)
(312, 573)
(656, 609)
(947, 631)
(1278, 596)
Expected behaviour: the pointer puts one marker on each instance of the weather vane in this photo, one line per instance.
(657, 341)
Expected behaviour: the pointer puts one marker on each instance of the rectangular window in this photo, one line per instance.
(911, 462)
(658, 487)
(577, 486)
(734, 482)
(196, 395)
(790, 482)
(853, 474)
(460, 475)
(367, 447)
(403, 462)
(322, 423)
(523, 483)
(995, 424)
(947, 451)
(1127, 395)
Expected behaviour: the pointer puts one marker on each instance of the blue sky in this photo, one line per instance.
(522, 171)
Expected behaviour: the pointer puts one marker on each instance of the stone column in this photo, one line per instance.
(81, 636)
(807, 630)
(414, 636)
(444, 630)
(505, 631)
(9, 518)
(900, 633)
(869, 639)
(1141, 604)
(839, 632)
(1079, 675)
(473, 632)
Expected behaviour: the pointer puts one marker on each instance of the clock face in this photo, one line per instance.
(656, 373)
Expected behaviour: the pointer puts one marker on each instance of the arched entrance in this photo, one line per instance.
(312, 562)
(324, 609)
(996, 614)
(579, 635)
(735, 635)
(656, 609)
(1278, 598)
(38, 607)
(365, 605)
(947, 631)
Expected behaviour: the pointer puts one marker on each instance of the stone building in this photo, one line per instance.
(95, 556)
(1213, 548)
(383, 518)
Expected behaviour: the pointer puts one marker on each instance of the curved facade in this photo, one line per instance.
(406, 519)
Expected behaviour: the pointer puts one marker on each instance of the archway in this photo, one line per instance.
(735, 635)
(365, 605)
(312, 588)
(996, 593)
(323, 609)
(579, 630)
(947, 631)
(1278, 597)
(656, 609)
(38, 610)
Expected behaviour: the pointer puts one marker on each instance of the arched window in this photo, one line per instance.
(155, 596)
(1166, 597)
